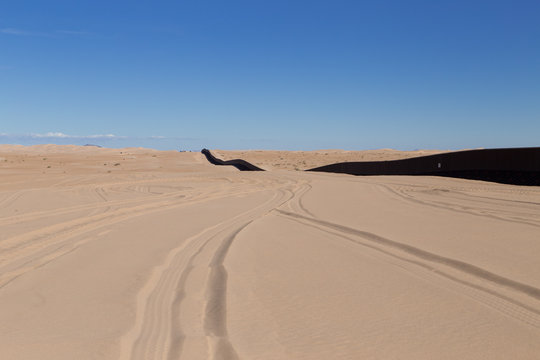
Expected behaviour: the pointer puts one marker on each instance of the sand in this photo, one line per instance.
(304, 160)
(144, 254)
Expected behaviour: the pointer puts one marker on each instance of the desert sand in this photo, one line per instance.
(304, 160)
(143, 254)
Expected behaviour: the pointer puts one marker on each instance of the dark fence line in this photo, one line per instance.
(518, 166)
(240, 164)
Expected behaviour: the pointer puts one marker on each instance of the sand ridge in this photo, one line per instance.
(166, 256)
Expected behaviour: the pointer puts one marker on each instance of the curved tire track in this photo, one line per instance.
(467, 279)
(158, 329)
(28, 251)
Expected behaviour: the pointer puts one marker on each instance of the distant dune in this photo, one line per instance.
(304, 160)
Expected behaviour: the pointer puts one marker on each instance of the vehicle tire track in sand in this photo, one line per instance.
(301, 203)
(25, 252)
(158, 332)
(452, 207)
(475, 276)
(105, 188)
(422, 254)
(295, 203)
(11, 198)
(93, 206)
(215, 313)
(138, 209)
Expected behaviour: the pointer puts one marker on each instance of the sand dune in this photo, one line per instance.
(143, 254)
(304, 160)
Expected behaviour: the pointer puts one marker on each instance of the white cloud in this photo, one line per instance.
(107, 136)
(52, 135)
(61, 135)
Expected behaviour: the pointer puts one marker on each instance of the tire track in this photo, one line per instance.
(215, 313)
(10, 199)
(90, 207)
(166, 199)
(450, 207)
(158, 330)
(23, 253)
(295, 204)
(467, 279)
(425, 255)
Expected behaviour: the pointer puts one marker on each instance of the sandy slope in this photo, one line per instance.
(303, 160)
(167, 257)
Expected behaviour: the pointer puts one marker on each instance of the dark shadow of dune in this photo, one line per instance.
(240, 164)
(517, 166)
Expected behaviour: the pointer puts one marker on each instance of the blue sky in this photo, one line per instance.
(271, 74)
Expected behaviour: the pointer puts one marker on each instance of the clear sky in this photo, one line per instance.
(302, 74)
